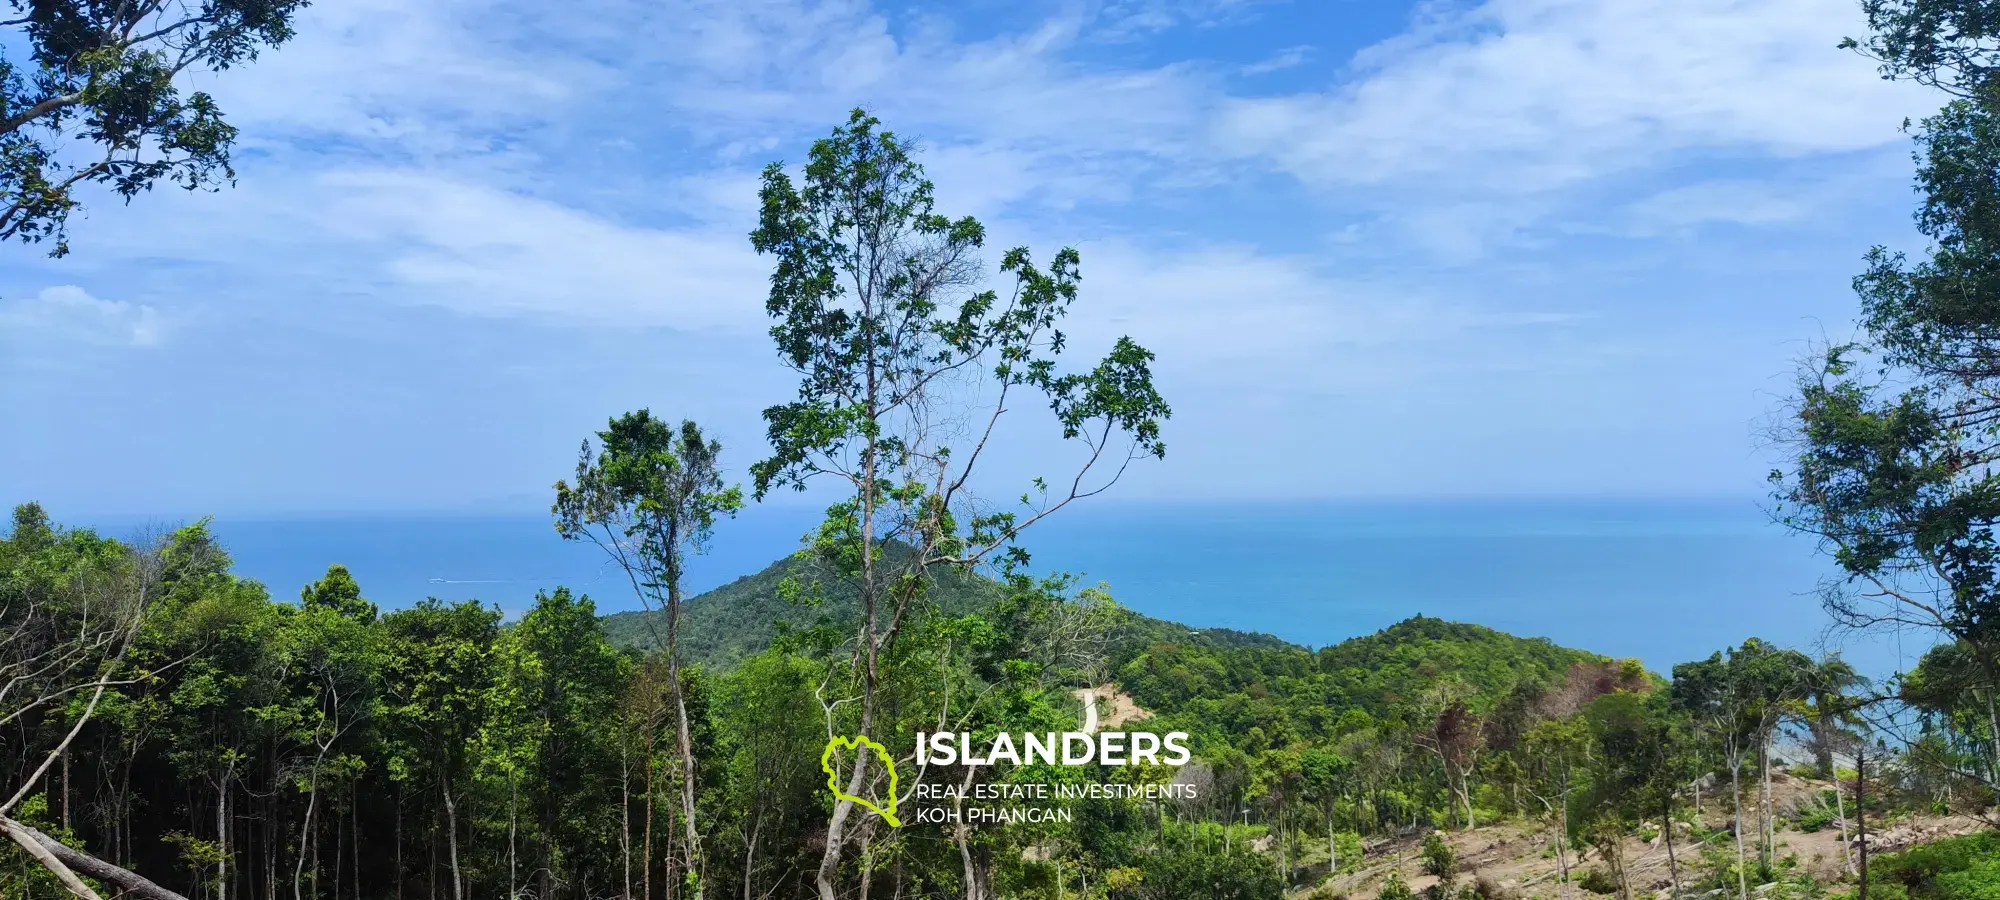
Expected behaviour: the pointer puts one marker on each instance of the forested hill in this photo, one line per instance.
(1259, 698)
(736, 620)
(741, 618)
(1220, 681)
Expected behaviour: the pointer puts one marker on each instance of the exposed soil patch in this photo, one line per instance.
(1113, 706)
(1520, 856)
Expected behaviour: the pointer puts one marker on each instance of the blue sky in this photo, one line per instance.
(1519, 247)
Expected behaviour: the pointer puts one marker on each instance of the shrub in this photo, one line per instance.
(1979, 881)
(1445, 890)
(1349, 845)
(1961, 868)
(1221, 873)
(1396, 889)
(1598, 881)
(1438, 857)
(1485, 888)
(1817, 816)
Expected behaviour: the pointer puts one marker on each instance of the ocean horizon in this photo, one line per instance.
(1664, 581)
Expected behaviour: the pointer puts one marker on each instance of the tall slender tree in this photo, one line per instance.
(907, 368)
(649, 498)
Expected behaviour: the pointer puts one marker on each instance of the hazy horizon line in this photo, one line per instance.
(523, 510)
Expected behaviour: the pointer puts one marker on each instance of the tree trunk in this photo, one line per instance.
(836, 826)
(1840, 811)
(870, 591)
(1332, 845)
(1767, 834)
(67, 862)
(672, 881)
(962, 836)
(684, 736)
(646, 877)
(1562, 856)
(451, 826)
(513, 830)
(750, 857)
(1861, 812)
(1673, 865)
(222, 833)
(625, 812)
(1624, 878)
(339, 847)
(306, 834)
(1736, 798)
(867, 861)
(431, 845)
(1822, 742)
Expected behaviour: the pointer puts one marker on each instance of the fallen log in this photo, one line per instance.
(66, 862)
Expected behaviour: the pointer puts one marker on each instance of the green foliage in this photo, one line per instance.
(799, 598)
(1941, 43)
(1447, 890)
(747, 616)
(1815, 818)
(1262, 697)
(1961, 868)
(1891, 443)
(1349, 846)
(1395, 888)
(1396, 665)
(649, 498)
(532, 758)
(1205, 872)
(88, 95)
(1439, 859)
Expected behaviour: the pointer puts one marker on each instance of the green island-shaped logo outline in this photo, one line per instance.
(856, 744)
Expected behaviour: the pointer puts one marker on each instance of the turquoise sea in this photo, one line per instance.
(1662, 581)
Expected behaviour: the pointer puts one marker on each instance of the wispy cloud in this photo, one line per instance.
(1485, 193)
(67, 315)
(484, 251)
(1523, 97)
(1288, 58)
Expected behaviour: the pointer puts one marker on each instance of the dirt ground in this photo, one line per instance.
(1516, 855)
(1114, 707)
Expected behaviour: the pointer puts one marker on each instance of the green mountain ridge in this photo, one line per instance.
(721, 627)
(1270, 697)
(1231, 680)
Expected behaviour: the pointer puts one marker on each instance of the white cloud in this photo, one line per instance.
(1288, 58)
(484, 251)
(594, 163)
(69, 314)
(1737, 202)
(1520, 97)
(1234, 312)
(426, 80)
(1133, 19)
